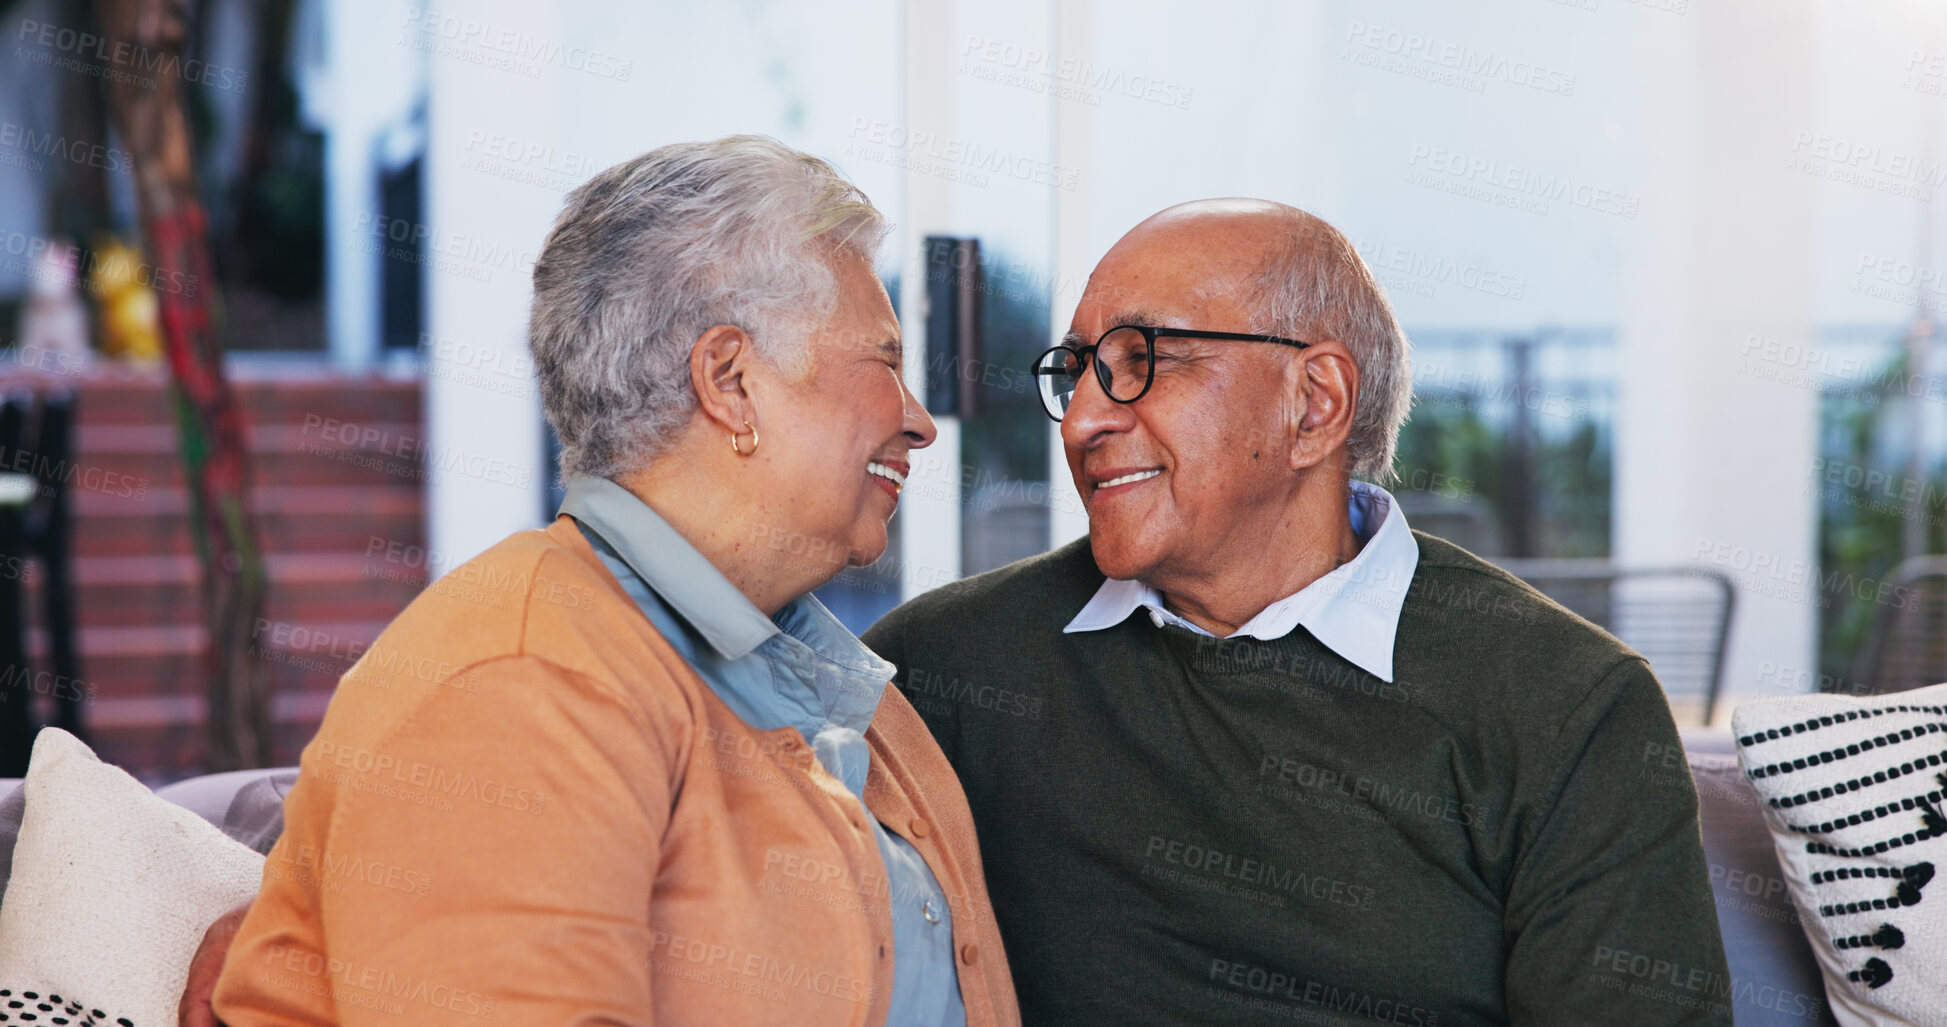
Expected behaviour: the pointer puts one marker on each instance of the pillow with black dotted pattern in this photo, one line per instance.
(1855, 797)
(40, 1008)
(112, 890)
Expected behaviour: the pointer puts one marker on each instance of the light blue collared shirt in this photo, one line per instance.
(1353, 611)
(799, 669)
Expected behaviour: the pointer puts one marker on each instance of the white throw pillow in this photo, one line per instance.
(1853, 793)
(111, 892)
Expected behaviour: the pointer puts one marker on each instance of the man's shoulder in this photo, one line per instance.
(1466, 607)
(1057, 583)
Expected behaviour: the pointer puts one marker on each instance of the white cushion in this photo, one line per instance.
(1853, 795)
(111, 892)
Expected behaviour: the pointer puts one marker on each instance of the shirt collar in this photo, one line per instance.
(689, 583)
(1353, 611)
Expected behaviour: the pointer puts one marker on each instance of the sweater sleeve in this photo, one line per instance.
(1609, 915)
(490, 859)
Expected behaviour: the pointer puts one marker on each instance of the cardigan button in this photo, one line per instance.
(920, 827)
(969, 953)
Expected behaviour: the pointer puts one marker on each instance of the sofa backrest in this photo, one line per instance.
(247, 805)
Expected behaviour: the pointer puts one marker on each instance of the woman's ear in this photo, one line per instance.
(1328, 385)
(718, 364)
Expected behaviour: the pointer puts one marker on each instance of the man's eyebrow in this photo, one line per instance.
(1143, 319)
(1136, 318)
(892, 348)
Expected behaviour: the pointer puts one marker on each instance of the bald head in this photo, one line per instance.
(1297, 275)
(1238, 211)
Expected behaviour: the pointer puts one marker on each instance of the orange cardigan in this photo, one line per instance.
(523, 807)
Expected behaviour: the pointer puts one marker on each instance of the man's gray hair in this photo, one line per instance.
(654, 251)
(1317, 287)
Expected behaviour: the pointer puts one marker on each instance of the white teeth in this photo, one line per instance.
(1127, 478)
(898, 480)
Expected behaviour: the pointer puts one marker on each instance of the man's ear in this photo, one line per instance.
(719, 362)
(1327, 382)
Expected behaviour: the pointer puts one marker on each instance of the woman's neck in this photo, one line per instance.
(742, 535)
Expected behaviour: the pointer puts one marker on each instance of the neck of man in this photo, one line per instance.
(1304, 540)
(722, 508)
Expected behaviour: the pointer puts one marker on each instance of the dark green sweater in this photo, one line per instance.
(1180, 829)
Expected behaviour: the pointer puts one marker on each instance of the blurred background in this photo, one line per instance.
(1671, 270)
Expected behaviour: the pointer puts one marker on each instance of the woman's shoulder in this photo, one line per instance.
(539, 598)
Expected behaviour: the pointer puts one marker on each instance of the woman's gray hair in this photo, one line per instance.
(654, 251)
(1317, 287)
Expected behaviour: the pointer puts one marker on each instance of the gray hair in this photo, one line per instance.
(654, 251)
(1317, 287)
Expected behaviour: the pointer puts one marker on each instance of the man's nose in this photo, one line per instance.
(1092, 416)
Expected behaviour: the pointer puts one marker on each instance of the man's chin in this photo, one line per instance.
(1120, 559)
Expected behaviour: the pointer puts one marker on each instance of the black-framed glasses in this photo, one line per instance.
(1125, 363)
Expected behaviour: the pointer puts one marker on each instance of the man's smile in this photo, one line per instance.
(1119, 480)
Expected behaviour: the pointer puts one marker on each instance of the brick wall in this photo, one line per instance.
(337, 476)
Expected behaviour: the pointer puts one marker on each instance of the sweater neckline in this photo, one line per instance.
(1206, 654)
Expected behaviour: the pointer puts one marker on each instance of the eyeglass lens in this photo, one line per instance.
(1122, 360)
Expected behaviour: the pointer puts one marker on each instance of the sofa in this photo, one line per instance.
(1774, 977)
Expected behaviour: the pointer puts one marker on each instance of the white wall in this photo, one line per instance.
(488, 207)
(528, 101)
(1711, 459)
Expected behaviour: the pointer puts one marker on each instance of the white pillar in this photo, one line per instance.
(369, 81)
(929, 509)
(1072, 256)
(485, 456)
(1711, 459)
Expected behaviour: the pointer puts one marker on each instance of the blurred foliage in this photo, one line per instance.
(1866, 433)
(1455, 474)
(1578, 479)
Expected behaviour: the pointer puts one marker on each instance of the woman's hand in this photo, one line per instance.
(194, 1009)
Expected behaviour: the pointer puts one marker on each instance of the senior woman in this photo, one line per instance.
(627, 770)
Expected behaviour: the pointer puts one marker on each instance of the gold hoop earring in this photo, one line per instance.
(753, 442)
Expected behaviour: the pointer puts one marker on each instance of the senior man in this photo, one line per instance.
(1266, 753)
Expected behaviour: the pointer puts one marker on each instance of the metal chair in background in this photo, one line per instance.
(1906, 643)
(1679, 618)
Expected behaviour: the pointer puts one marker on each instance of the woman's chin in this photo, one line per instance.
(866, 551)
(866, 556)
